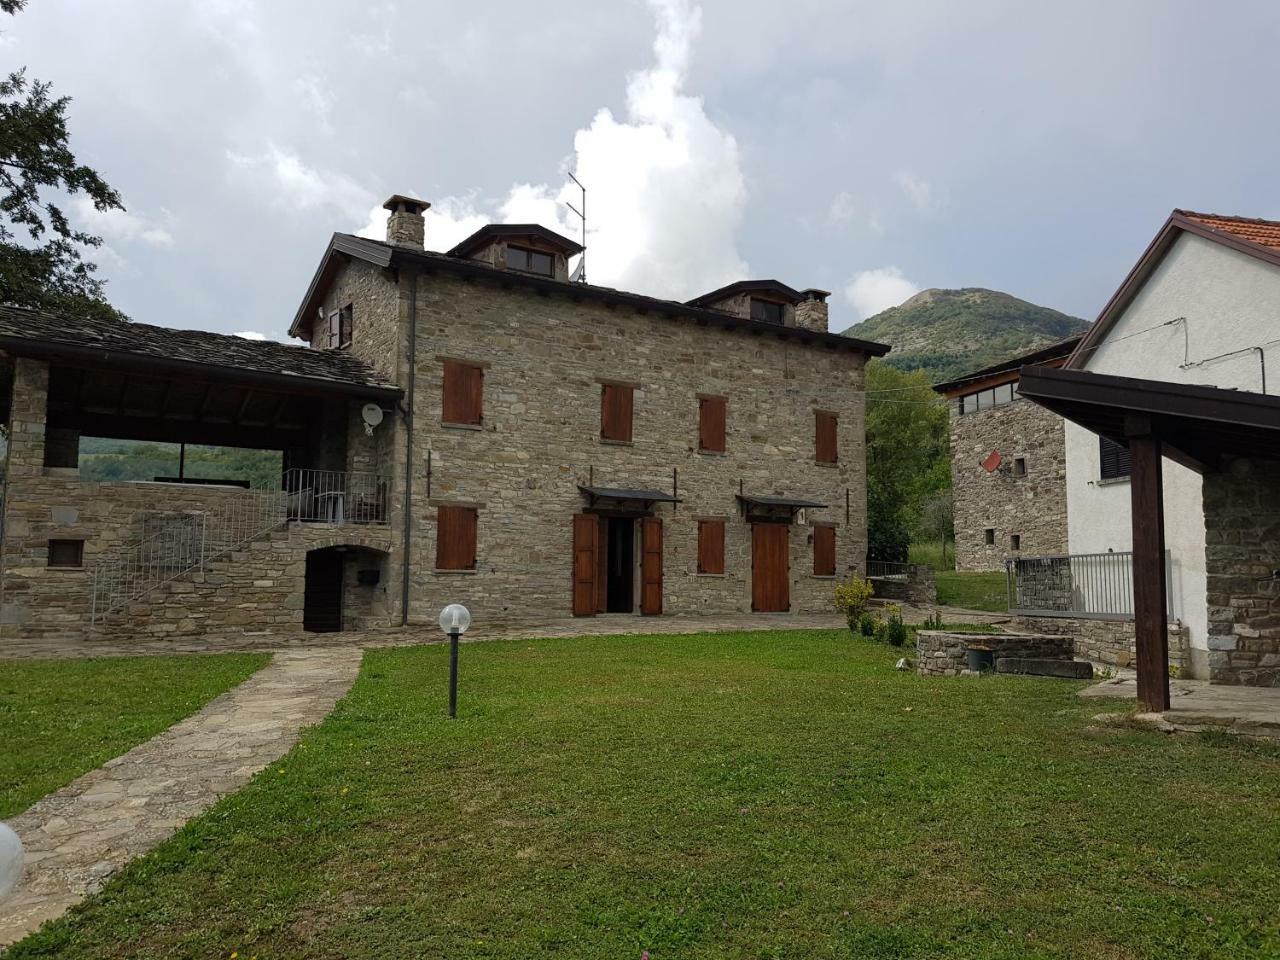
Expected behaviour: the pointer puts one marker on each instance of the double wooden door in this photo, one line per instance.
(770, 568)
(591, 568)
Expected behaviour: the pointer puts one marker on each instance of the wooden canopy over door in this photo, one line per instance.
(651, 566)
(770, 568)
(586, 546)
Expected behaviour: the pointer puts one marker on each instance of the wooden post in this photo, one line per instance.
(1150, 600)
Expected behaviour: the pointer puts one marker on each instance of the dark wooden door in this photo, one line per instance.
(322, 592)
(770, 568)
(651, 566)
(586, 541)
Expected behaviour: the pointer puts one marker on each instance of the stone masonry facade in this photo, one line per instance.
(1242, 559)
(1032, 507)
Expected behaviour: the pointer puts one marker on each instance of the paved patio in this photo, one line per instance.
(1199, 705)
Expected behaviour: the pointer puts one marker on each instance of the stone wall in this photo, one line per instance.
(919, 586)
(1106, 642)
(1044, 584)
(1242, 557)
(939, 653)
(1034, 506)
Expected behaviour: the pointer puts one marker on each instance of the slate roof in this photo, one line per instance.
(1265, 233)
(495, 231)
(24, 331)
(776, 287)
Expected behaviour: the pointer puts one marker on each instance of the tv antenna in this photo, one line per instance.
(580, 274)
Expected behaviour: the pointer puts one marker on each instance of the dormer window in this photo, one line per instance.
(530, 261)
(766, 311)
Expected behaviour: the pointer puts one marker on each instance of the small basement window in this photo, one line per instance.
(1020, 467)
(531, 261)
(989, 536)
(766, 311)
(1015, 542)
(66, 553)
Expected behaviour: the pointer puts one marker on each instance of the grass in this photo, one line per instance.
(934, 553)
(63, 718)
(973, 591)
(763, 795)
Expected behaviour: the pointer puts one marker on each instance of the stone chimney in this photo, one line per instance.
(811, 312)
(406, 227)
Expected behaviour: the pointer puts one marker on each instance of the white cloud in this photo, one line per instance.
(295, 185)
(252, 335)
(121, 225)
(917, 190)
(871, 291)
(842, 208)
(315, 96)
(448, 221)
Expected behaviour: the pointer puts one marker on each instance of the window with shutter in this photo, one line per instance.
(1113, 458)
(711, 546)
(616, 407)
(344, 326)
(825, 446)
(711, 424)
(463, 393)
(333, 329)
(456, 538)
(824, 551)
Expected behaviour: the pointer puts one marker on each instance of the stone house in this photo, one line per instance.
(1008, 465)
(468, 426)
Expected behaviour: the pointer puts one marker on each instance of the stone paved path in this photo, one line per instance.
(78, 836)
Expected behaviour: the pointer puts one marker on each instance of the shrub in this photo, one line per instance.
(851, 599)
(868, 624)
(893, 631)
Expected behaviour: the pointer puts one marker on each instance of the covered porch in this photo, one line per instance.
(1232, 439)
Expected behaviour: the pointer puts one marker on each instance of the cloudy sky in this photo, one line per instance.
(869, 148)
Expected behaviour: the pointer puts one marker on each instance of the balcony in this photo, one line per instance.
(334, 496)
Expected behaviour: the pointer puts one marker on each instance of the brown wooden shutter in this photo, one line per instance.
(344, 326)
(586, 532)
(711, 546)
(463, 393)
(651, 566)
(616, 407)
(825, 428)
(456, 538)
(711, 424)
(824, 551)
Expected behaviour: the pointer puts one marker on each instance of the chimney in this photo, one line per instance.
(406, 227)
(811, 312)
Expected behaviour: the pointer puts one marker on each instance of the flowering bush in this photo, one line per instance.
(851, 599)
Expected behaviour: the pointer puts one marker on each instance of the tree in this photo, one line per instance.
(907, 456)
(42, 260)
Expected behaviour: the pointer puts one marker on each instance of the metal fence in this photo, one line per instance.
(1074, 585)
(332, 496)
(888, 569)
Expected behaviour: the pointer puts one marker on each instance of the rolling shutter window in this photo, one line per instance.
(616, 407)
(463, 393)
(456, 538)
(824, 551)
(1114, 459)
(711, 424)
(711, 546)
(826, 449)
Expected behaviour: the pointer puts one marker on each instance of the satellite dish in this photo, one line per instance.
(372, 416)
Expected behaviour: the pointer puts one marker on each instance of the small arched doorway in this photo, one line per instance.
(345, 589)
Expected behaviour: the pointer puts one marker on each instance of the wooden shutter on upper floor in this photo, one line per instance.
(711, 546)
(1113, 459)
(456, 538)
(463, 393)
(711, 424)
(616, 408)
(826, 448)
(824, 551)
(344, 326)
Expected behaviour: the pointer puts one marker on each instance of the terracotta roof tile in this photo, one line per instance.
(1265, 233)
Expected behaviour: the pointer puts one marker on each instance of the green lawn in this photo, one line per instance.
(62, 718)
(781, 795)
(973, 591)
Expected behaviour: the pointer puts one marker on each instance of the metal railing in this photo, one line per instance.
(1085, 585)
(332, 496)
(888, 569)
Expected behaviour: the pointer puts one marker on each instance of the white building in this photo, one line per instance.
(1202, 306)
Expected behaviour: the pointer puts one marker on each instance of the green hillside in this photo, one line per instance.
(948, 333)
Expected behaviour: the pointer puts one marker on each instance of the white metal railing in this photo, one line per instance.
(332, 496)
(888, 570)
(1086, 585)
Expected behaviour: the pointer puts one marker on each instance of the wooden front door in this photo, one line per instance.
(586, 544)
(651, 566)
(770, 568)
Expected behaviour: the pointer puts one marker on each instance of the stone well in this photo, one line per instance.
(942, 654)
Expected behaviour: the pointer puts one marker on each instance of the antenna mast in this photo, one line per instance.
(582, 215)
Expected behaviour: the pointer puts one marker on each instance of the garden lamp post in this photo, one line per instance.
(454, 620)
(10, 860)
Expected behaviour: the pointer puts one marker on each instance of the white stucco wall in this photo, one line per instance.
(1231, 301)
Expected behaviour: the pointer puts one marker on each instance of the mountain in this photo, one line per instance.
(949, 333)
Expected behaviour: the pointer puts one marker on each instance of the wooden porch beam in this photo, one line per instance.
(1150, 598)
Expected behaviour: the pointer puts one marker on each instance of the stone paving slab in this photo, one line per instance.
(77, 837)
(1199, 705)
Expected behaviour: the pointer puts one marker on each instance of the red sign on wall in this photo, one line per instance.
(992, 462)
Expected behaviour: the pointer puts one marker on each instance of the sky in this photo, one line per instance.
(872, 149)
